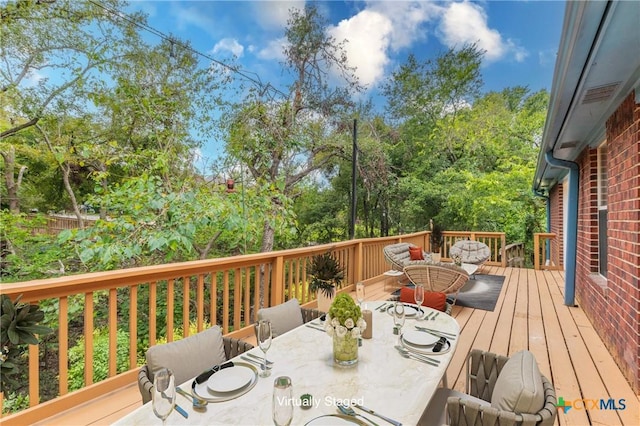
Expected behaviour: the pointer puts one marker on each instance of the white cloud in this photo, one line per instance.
(467, 23)
(274, 14)
(380, 28)
(408, 19)
(274, 49)
(547, 57)
(191, 16)
(230, 45)
(368, 38)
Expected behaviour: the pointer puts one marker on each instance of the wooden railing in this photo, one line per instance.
(546, 253)
(515, 255)
(225, 291)
(56, 223)
(494, 240)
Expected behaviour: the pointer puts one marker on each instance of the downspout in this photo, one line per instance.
(541, 194)
(572, 225)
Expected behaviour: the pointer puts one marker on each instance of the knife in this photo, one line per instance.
(373, 413)
(180, 410)
(203, 377)
(257, 363)
(436, 332)
(315, 327)
(257, 358)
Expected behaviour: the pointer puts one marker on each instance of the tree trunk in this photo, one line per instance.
(13, 185)
(66, 171)
(268, 236)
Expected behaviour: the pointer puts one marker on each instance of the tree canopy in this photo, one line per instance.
(93, 117)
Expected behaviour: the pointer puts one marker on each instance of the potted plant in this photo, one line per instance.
(326, 276)
(18, 327)
(436, 240)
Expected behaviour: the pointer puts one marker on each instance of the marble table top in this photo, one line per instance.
(382, 380)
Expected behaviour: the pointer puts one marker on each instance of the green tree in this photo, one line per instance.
(281, 142)
(54, 53)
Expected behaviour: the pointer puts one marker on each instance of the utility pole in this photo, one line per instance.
(354, 163)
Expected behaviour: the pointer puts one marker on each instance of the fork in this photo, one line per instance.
(345, 409)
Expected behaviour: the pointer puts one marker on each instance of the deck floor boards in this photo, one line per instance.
(530, 314)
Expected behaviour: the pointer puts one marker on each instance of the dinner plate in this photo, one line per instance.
(335, 419)
(410, 311)
(426, 350)
(202, 390)
(230, 379)
(419, 338)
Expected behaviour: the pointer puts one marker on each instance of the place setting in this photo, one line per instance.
(226, 383)
(411, 311)
(424, 343)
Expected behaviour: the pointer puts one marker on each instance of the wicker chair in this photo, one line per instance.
(443, 277)
(397, 255)
(475, 407)
(286, 316)
(469, 251)
(232, 348)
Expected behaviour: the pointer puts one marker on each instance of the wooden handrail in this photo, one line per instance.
(237, 286)
(546, 256)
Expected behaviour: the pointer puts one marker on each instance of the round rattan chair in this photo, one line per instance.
(442, 277)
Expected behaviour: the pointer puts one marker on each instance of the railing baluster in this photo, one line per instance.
(113, 331)
(34, 375)
(200, 302)
(186, 300)
(225, 302)
(133, 326)
(170, 307)
(153, 303)
(63, 345)
(213, 317)
(88, 338)
(237, 296)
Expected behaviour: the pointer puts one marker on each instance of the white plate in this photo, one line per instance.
(202, 391)
(419, 338)
(335, 419)
(410, 311)
(229, 379)
(428, 350)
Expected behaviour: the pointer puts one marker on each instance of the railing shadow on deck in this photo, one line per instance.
(158, 299)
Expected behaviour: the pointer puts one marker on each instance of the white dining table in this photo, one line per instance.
(382, 379)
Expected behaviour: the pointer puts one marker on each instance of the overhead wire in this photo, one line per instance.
(264, 88)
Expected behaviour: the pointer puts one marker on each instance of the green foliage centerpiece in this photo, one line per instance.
(345, 324)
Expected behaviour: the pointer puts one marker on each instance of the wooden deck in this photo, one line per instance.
(530, 314)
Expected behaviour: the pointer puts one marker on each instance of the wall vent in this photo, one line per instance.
(600, 93)
(568, 144)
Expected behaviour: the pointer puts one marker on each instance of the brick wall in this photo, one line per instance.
(613, 304)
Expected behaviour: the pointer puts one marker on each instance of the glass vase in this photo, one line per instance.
(345, 350)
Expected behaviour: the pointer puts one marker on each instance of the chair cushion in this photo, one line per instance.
(190, 356)
(415, 253)
(519, 387)
(283, 317)
(432, 299)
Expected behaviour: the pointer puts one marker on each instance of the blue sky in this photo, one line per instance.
(520, 38)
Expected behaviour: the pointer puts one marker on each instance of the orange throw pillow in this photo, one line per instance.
(415, 253)
(432, 299)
